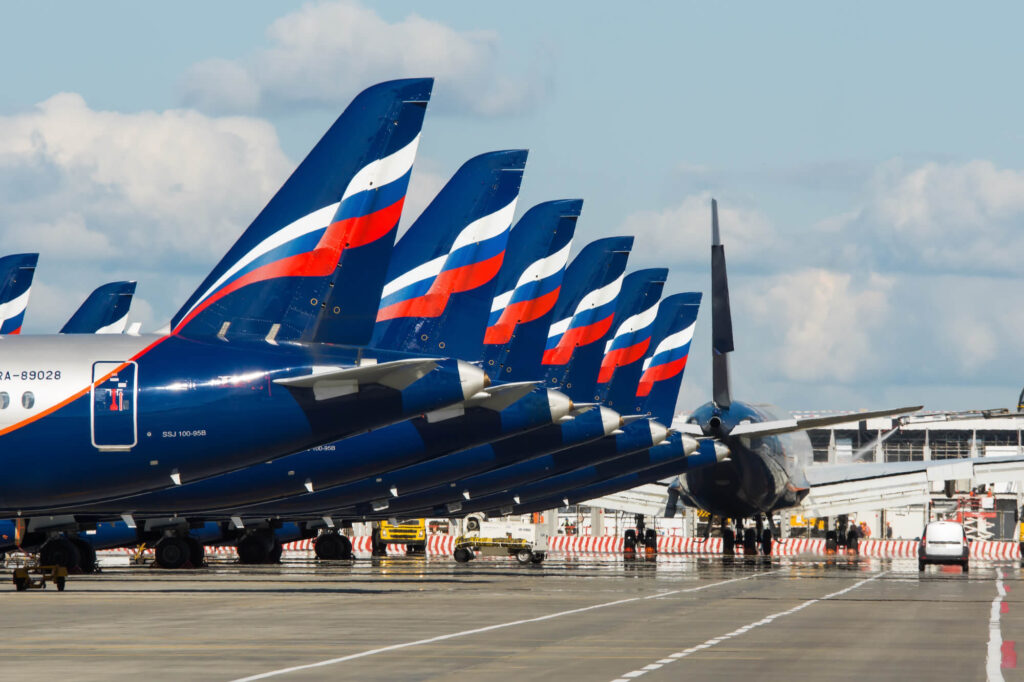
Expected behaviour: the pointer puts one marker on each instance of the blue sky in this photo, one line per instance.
(869, 159)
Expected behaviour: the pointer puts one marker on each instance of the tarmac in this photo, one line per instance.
(571, 618)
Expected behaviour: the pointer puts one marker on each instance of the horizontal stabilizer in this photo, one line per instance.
(334, 382)
(773, 428)
(499, 396)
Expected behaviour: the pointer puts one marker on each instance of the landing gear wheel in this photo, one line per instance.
(377, 546)
(629, 541)
(196, 552)
(252, 549)
(462, 555)
(332, 547)
(172, 552)
(651, 540)
(831, 543)
(749, 542)
(852, 541)
(86, 555)
(766, 542)
(274, 556)
(524, 556)
(728, 542)
(60, 551)
(60, 582)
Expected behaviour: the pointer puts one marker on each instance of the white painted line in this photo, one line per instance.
(994, 655)
(489, 628)
(764, 621)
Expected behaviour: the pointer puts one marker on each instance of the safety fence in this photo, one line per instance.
(444, 545)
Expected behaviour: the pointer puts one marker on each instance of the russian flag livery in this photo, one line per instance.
(591, 320)
(669, 357)
(16, 274)
(105, 311)
(474, 259)
(631, 342)
(443, 272)
(529, 285)
(346, 195)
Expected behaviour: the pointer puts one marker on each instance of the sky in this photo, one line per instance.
(868, 159)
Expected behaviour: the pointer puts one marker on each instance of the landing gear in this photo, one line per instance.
(172, 552)
(750, 541)
(831, 542)
(255, 548)
(852, 541)
(86, 555)
(651, 541)
(332, 546)
(766, 542)
(377, 546)
(59, 551)
(728, 539)
(196, 552)
(629, 541)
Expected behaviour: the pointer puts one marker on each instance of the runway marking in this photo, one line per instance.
(994, 655)
(489, 628)
(671, 658)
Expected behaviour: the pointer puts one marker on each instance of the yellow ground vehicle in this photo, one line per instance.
(411, 532)
(31, 575)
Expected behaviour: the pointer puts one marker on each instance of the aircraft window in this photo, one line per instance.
(28, 400)
(5, 400)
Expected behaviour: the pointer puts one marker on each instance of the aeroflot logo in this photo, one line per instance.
(591, 321)
(630, 343)
(12, 313)
(667, 361)
(533, 296)
(312, 245)
(473, 260)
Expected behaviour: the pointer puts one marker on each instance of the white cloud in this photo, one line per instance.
(147, 196)
(938, 217)
(682, 233)
(323, 53)
(819, 324)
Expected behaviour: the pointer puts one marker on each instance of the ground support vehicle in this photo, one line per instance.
(524, 541)
(31, 575)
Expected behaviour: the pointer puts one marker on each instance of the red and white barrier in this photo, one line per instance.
(674, 544)
(444, 545)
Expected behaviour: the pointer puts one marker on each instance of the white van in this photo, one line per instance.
(943, 542)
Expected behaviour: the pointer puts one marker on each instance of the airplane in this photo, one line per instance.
(16, 272)
(252, 367)
(654, 396)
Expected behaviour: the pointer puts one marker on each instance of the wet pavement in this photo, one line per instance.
(573, 618)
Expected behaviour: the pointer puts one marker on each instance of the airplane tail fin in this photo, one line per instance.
(529, 285)
(105, 311)
(443, 273)
(584, 316)
(16, 274)
(721, 317)
(312, 263)
(634, 319)
(658, 388)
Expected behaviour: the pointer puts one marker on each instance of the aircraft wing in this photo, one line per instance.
(333, 382)
(849, 488)
(773, 428)
(649, 499)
